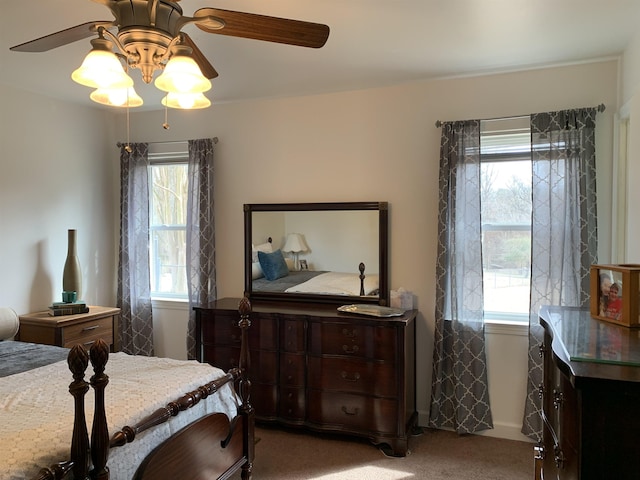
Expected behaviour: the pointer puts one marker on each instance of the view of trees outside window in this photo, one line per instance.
(167, 236)
(506, 228)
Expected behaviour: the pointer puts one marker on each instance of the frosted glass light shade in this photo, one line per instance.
(182, 75)
(186, 101)
(117, 97)
(102, 69)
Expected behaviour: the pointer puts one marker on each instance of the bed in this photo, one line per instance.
(149, 418)
(272, 272)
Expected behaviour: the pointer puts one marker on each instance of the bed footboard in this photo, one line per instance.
(211, 447)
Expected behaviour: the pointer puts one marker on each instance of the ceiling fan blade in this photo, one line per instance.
(63, 37)
(205, 66)
(269, 29)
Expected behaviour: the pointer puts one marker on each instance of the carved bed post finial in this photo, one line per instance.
(361, 268)
(99, 354)
(78, 360)
(243, 388)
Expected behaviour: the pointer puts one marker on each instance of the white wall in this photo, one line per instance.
(382, 144)
(60, 170)
(57, 173)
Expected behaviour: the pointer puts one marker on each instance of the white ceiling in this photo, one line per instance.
(372, 43)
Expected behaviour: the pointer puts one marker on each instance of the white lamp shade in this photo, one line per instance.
(186, 101)
(295, 243)
(182, 75)
(117, 97)
(102, 69)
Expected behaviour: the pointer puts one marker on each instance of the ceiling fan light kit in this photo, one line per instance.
(149, 37)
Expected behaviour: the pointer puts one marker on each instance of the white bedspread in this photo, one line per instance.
(337, 283)
(36, 410)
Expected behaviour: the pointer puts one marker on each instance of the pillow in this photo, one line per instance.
(256, 270)
(273, 265)
(9, 323)
(263, 247)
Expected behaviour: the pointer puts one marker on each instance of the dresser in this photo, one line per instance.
(590, 398)
(317, 368)
(69, 330)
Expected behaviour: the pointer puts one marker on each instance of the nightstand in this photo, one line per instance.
(69, 330)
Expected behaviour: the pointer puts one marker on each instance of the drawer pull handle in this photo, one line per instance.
(93, 327)
(347, 333)
(88, 344)
(558, 399)
(353, 412)
(355, 378)
(558, 456)
(347, 349)
(538, 452)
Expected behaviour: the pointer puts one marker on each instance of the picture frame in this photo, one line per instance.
(615, 294)
(304, 265)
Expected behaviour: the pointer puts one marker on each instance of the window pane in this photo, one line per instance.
(168, 270)
(167, 236)
(506, 235)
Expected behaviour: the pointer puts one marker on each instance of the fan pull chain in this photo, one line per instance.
(166, 125)
(128, 146)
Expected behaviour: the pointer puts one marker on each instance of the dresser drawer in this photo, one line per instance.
(222, 329)
(292, 369)
(292, 336)
(343, 411)
(352, 339)
(352, 375)
(227, 358)
(292, 404)
(87, 333)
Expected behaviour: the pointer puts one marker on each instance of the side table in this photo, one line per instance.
(69, 330)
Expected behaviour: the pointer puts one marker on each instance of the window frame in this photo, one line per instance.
(164, 157)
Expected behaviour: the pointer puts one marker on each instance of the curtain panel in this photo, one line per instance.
(563, 229)
(460, 396)
(134, 288)
(201, 266)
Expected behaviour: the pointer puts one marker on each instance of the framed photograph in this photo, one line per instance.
(615, 294)
(304, 265)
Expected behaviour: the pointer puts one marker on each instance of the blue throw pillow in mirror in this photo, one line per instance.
(273, 265)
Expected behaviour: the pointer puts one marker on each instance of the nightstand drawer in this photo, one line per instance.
(88, 332)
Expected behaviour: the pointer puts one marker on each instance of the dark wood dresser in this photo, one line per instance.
(591, 396)
(315, 367)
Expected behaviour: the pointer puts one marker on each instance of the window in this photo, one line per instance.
(505, 155)
(167, 224)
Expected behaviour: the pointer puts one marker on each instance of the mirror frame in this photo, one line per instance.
(383, 231)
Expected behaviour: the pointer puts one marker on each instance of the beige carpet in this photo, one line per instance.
(434, 455)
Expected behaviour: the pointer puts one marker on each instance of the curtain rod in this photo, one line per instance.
(601, 108)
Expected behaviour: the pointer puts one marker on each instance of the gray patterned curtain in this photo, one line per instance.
(134, 289)
(460, 395)
(201, 266)
(563, 228)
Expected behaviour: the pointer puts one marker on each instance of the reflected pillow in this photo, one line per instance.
(256, 271)
(273, 265)
(263, 247)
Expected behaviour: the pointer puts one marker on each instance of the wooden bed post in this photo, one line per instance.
(99, 354)
(78, 360)
(243, 388)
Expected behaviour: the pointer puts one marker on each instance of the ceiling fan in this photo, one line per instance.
(149, 32)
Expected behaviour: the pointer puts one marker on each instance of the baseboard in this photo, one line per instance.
(508, 431)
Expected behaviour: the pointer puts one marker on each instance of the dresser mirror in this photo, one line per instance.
(317, 252)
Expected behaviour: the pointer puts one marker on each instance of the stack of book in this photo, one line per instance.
(62, 308)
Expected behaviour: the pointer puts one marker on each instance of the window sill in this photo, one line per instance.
(170, 303)
(506, 327)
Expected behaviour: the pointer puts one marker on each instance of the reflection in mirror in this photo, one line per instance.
(327, 252)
